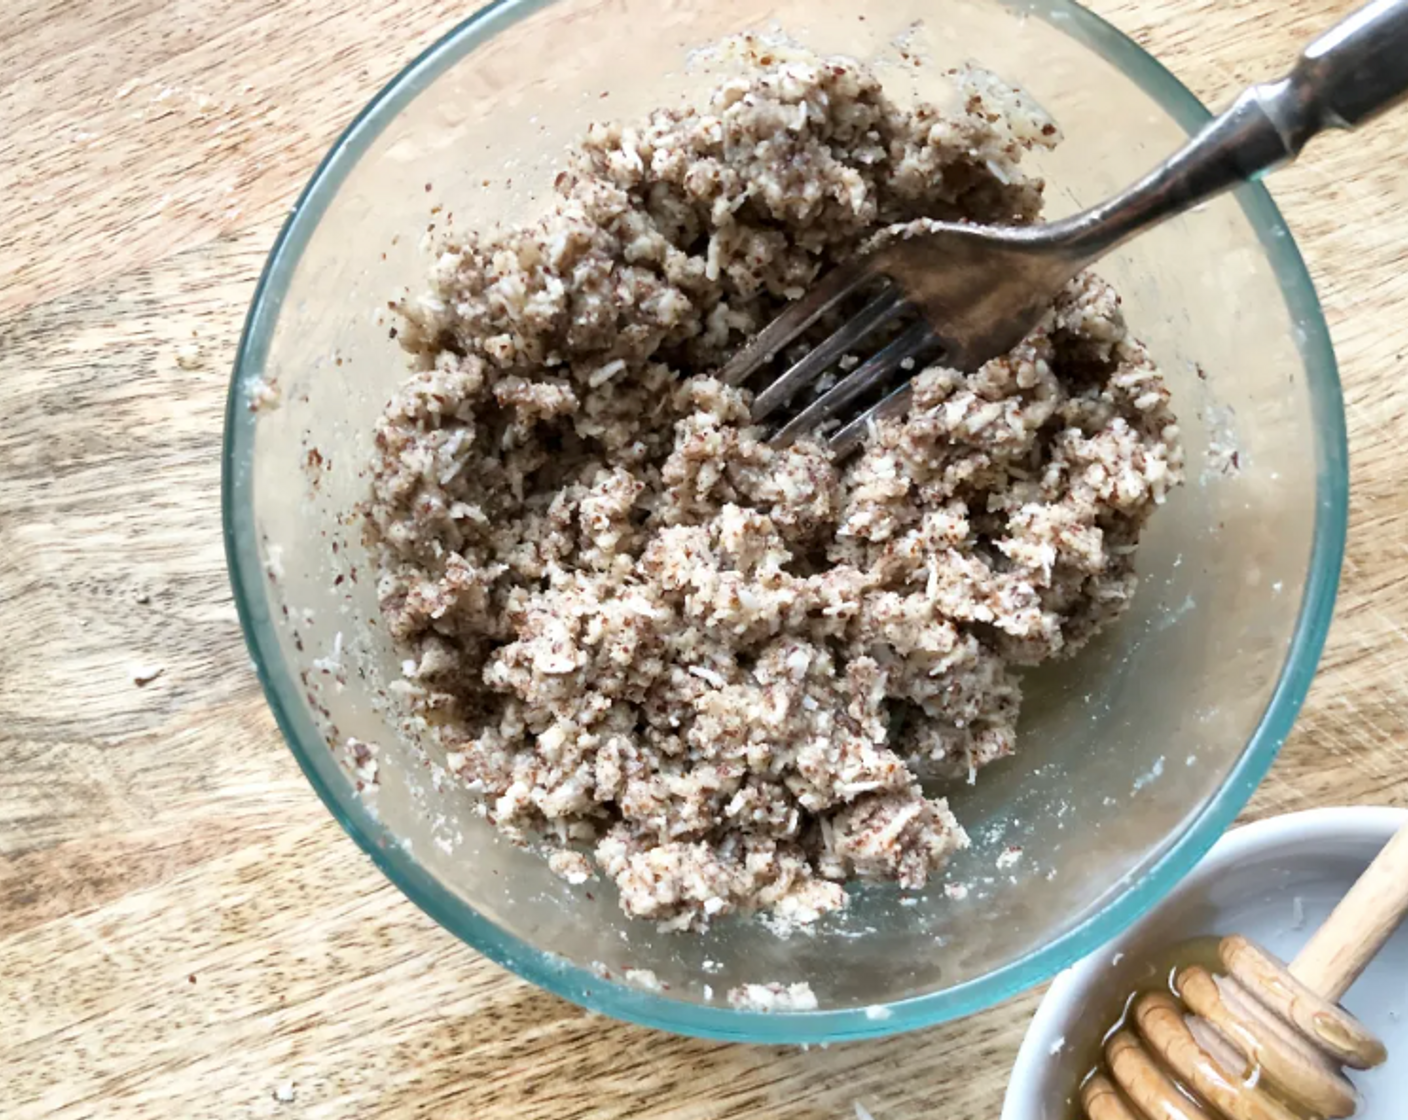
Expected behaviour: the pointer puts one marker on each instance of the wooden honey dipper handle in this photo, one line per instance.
(1364, 920)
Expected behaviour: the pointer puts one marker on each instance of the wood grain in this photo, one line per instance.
(183, 930)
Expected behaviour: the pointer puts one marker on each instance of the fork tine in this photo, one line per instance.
(853, 434)
(916, 339)
(813, 364)
(797, 317)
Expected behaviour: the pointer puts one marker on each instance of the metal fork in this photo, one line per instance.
(976, 291)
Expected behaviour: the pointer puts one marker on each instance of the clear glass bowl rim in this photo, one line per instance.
(553, 973)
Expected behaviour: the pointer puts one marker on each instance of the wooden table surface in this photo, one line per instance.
(184, 931)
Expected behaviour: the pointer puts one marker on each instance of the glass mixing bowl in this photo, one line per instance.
(1134, 756)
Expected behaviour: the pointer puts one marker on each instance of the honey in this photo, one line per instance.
(1125, 1053)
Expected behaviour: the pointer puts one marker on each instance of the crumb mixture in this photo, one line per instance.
(773, 997)
(726, 676)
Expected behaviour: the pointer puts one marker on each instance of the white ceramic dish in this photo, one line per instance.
(1274, 881)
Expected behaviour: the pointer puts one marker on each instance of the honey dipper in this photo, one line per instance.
(1262, 1024)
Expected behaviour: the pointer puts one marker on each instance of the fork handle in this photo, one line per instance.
(1350, 74)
